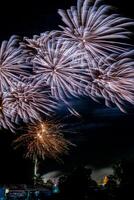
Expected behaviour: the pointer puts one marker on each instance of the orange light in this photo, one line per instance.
(105, 180)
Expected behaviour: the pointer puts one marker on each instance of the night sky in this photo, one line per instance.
(102, 135)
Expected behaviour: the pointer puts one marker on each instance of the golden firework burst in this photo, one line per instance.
(42, 140)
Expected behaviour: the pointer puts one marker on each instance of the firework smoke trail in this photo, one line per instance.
(112, 79)
(27, 100)
(91, 28)
(11, 63)
(43, 140)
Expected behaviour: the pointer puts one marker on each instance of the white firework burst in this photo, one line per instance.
(26, 101)
(113, 79)
(11, 63)
(30, 47)
(91, 27)
(59, 66)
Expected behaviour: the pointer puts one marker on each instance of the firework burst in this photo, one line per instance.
(11, 63)
(27, 100)
(59, 67)
(42, 140)
(30, 47)
(113, 79)
(90, 27)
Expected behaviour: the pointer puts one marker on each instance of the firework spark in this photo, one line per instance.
(89, 26)
(43, 140)
(11, 63)
(113, 79)
(59, 67)
(27, 100)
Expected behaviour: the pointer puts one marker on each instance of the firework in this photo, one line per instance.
(5, 121)
(42, 140)
(27, 100)
(11, 63)
(113, 79)
(59, 67)
(90, 27)
(30, 47)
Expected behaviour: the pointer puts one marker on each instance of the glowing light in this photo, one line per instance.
(7, 191)
(105, 181)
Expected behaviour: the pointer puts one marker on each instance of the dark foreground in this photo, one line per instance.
(78, 185)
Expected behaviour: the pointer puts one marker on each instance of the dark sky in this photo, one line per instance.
(102, 135)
